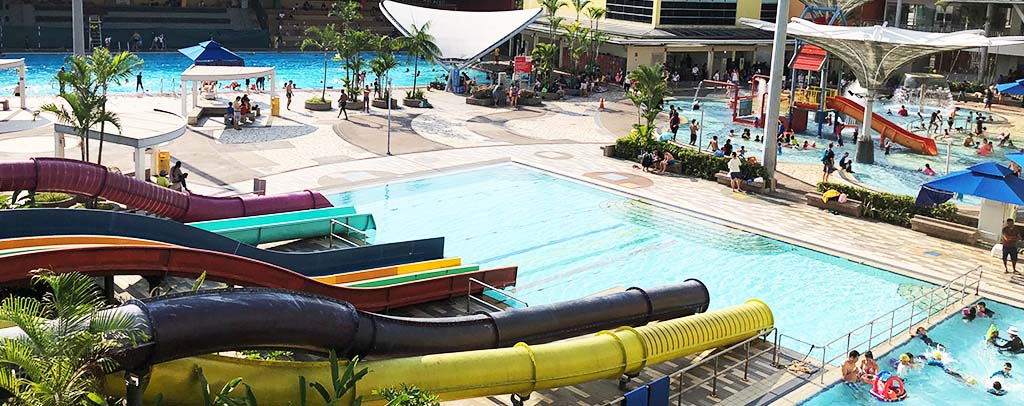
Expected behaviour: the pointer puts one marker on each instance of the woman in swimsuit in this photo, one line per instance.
(867, 368)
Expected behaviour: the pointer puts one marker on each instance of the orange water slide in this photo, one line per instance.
(236, 270)
(886, 128)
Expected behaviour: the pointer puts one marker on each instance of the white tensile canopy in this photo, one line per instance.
(844, 5)
(462, 36)
(19, 65)
(205, 73)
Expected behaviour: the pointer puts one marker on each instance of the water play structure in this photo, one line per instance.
(885, 128)
(500, 369)
(88, 179)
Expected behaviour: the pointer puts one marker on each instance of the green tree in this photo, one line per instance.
(82, 107)
(353, 42)
(110, 67)
(224, 398)
(550, 8)
(324, 39)
(346, 10)
(408, 395)
(649, 93)
(544, 57)
(577, 35)
(66, 342)
(421, 45)
(384, 60)
(579, 6)
(595, 14)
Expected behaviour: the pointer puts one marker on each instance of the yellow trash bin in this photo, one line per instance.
(163, 162)
(275, 106)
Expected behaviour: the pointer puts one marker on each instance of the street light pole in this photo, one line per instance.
(387, 100)
(949, 146)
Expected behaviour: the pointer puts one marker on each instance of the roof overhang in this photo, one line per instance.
(12, 63)
(138, 130)
(462, 36)
(199, 73)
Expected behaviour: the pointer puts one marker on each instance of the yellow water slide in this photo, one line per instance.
(520, 369)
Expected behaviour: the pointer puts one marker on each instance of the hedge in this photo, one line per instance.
(891, 208)
(693, 162)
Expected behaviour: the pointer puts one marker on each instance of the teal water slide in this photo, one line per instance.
(294, 225)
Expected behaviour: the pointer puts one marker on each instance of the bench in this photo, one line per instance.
(943, 229)
(6, 103)
(757, 186)
(850, 208)
(208, 111)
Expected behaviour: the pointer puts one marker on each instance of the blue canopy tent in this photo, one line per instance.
(997, 185)
(1015, 87)
(1017, 158)
(210, 53)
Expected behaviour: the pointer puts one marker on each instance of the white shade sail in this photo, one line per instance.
(220, 73)
(12, 63)
(462, 36)
(873, 53)
(844, 5)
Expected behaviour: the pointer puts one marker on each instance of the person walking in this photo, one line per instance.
(138, 82)
(1009, 239)
(828, 160)
(59, 80)
(342, 102)
(288, 88)
(366, 99)
(693, 132)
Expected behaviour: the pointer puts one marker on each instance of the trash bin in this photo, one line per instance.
(163, 162)
(275, 106)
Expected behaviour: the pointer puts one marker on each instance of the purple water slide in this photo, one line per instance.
(88, 179)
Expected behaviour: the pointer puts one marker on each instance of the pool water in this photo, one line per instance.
(898, 172)
(306, 69)
(571, 240)
(965, 344)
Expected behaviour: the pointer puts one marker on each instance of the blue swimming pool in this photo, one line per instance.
(966, 353)
(306, 69)
(571, 240)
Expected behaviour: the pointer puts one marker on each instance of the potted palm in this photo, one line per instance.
(82, 107)
(323, 39)
(420, 45)
(481, 96)
(381, 64)
(544, 58)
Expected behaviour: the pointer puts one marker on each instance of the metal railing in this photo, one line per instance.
(676, 378)
(332, 235)
(887, 326)
(470, 299)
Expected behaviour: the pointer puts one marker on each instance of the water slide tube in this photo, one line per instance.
(235, 270)
(88, 179)
(51, 222)
(521, 368)
(384, 272)
(886, 128)
(294, 225)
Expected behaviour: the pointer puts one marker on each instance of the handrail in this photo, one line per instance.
(745, 362)
(470, 299)
(331, 235)
(288, 223)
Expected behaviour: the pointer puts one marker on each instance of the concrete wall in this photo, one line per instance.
(568, 12)
(748, 9)
(637, 56)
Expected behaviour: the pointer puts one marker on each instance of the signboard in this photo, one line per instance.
(523, 64)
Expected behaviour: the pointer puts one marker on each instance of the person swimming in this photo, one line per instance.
(921, 333)
(928, 170)
(936, 361)
(978, 310)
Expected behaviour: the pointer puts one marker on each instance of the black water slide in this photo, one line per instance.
(48, 222)
(196, 323)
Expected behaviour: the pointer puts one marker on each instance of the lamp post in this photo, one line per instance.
(387, 99)
(949, 146)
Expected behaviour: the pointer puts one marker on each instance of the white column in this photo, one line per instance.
(21, 84)
(58, 144)
(140, 164)
(77, 27)
(865, 145)
(195, 94)
(899, 13)
(184, 99)
(771, 121)
(273, 84)
(711, 64)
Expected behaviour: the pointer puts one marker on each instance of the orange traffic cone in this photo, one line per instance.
(602, 104)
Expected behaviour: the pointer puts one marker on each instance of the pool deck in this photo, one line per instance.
(315, 150)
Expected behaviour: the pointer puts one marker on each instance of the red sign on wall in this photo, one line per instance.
(523, 64)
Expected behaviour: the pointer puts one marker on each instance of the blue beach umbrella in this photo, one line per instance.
(1015, 87)
(987, 180)
(210, 53)
(1017, 158)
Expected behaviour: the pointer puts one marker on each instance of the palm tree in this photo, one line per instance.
(324, 38)
(384, 60)
(595, 14)
(551, 7)
(544, 57)
(350, 48)
(650, 93)
(577, 34)
(66, 342)
(346, 10)
(84, 106)
(421, 46)
(108, 67)
(579, 6)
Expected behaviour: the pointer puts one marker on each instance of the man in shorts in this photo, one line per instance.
(1009, 238)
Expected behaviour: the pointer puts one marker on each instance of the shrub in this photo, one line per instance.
(891, 208)
(526, 94)
(693, 162)
(317, 100)
(482, 92)
(414, 95)
(408, 395)
(50, 197)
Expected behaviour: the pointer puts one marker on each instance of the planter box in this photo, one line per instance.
(944, 229)
(572, 92)
(319, 106)
(63, 204)
(412, 102)
(383, 104)
(851, 208)
(533, 101)
(757, 186)
(550, 96)
(609, 150)
(479, 102)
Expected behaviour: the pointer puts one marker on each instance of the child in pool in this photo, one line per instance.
(928, 170)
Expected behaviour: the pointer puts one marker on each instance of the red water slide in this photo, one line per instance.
(88, 179)
(885, 128)
(235, 270)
